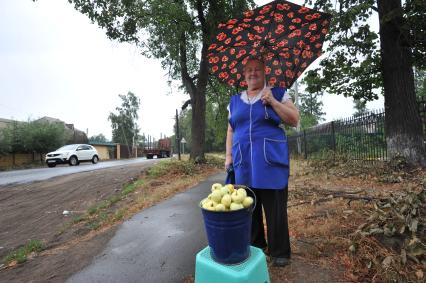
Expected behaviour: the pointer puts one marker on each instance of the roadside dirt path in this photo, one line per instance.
(35, 212)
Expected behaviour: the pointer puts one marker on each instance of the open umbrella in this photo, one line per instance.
(286, 36)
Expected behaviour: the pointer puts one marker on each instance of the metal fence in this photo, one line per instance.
(357, 137)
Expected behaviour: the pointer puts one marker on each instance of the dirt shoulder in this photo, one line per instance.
(97, 202)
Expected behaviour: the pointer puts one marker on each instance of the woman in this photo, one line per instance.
(256, 146)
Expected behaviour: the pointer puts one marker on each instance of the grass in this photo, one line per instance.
(20, 255)
(160, 181)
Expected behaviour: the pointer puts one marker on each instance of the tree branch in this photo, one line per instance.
(201, 18)
(186, 78)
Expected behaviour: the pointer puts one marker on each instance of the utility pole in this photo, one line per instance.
(177, 134)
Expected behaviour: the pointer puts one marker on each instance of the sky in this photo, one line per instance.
(54, 62)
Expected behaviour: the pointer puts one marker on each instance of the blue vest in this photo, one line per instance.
(259, 146)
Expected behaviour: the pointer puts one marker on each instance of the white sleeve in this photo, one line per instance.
(286, 97)
(229, 111)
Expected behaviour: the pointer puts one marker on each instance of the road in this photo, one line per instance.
(30, 175)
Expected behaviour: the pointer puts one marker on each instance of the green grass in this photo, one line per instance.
(20, 255)
(131, 187)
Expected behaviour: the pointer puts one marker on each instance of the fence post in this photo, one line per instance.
(304, 143)
(333, 136)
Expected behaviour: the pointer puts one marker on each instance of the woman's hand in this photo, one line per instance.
(228, 161)
(267, 97)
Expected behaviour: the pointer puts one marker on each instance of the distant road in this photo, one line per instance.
(31, 175)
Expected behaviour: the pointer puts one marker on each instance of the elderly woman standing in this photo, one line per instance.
(256, 146)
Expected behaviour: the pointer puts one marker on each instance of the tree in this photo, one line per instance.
(124, 124)
(98, 138)
(420, 84)
(360, 107)
(32, 136)
(361, 63)
(178, 33)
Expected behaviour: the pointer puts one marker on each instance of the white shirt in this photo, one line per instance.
(244, 97)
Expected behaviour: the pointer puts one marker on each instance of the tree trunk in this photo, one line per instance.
(198, 126)
(402, 121)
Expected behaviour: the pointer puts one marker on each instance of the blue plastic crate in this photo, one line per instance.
(252, 270)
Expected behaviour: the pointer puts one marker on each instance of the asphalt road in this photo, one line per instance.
(157, 245)
(31, 175)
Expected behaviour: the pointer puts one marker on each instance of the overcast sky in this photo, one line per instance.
(54, 62)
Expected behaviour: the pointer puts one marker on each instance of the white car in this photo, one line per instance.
(72, 154)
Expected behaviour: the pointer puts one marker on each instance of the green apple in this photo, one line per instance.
(247, 201)
(224, 190)
(216, 186)
(216, 196)
(242, 192)
(230, 188)
(209, 205)
(237, 196)
(236, 206)
(226, 200)
(220, 207)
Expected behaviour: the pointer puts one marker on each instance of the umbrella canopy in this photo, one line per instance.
(285, 36)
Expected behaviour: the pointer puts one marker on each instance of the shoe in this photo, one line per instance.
(280, 261)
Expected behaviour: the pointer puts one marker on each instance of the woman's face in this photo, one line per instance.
(254, 74)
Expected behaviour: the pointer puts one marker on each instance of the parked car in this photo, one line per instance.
(72, 154)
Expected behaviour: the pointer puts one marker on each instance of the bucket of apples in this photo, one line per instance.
(227, 213)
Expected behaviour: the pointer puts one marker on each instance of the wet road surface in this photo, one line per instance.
(39, 174)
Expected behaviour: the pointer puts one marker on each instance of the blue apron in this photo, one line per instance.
(259, 146)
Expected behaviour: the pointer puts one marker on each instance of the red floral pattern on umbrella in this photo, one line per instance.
(286, 36)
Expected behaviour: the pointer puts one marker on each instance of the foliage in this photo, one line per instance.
(353, 63)
(216, 119)
(360, 107)
(176, 32)
(420, 83)
(124, 124)
(98, 138)
(178, 167)
(360, 65)
(399, 225)
(32, 136)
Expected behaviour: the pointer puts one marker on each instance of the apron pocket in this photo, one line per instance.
(275, 152)
(237, 157)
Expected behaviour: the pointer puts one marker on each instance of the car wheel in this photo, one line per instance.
(95, 159)
(73, 161)
(51, 165)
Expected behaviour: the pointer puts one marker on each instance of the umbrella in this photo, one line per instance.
(286, 36)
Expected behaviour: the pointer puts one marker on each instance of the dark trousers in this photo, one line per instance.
(274, 203)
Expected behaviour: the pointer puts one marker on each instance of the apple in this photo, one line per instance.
(216, 196)
(247, 201)
(230, 188)
(224, 191)
(242, 192)
(236, 206)
(238, 195)
(209, 205)
(204, 201)
(220, 207)
(226, 200)
(216, 186)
